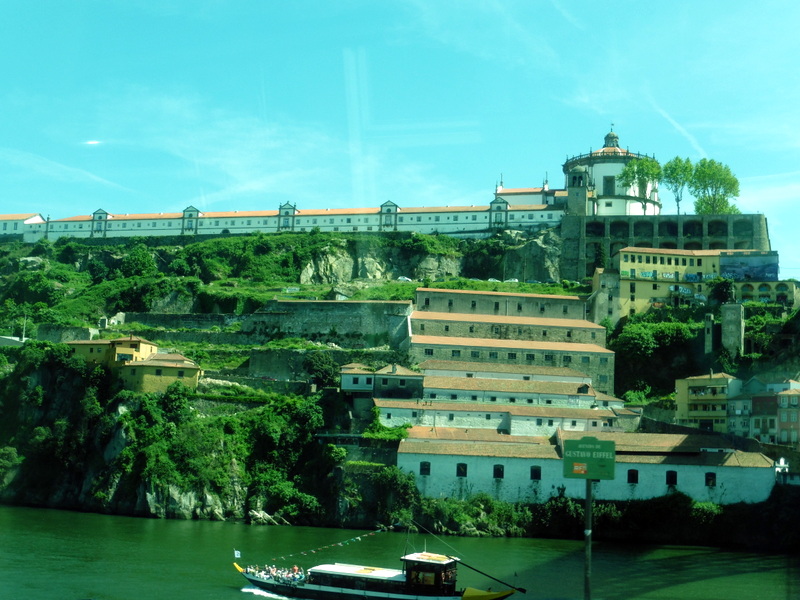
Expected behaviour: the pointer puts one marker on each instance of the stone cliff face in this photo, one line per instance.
(525, 258)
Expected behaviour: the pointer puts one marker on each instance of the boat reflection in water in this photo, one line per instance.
(425, 576)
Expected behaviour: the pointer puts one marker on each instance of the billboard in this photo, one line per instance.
(749, 267)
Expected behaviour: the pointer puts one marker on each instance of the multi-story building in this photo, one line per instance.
(16, 225)
(655, 277)
(465, 221)
(507, 327)
(789, 416)
(702, 401)
(138, 364)
(508, 304)
(592, 359)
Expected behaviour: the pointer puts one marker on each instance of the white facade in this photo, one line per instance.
(461, 220)
(508, 419)
(532, 473)
(443, 368)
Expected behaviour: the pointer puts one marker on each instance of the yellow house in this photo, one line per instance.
(158, 371)
(702, 401)
(113, 352)
(669, 277)
(138, 364)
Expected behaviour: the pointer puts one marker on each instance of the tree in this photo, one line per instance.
(641, 172)
(714, 185)
(139, 262)
(677, 175)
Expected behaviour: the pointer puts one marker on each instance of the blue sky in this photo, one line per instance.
(245, 105)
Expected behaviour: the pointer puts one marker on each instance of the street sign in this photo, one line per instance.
(589, 458)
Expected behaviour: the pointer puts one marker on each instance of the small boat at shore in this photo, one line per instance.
(424, 576)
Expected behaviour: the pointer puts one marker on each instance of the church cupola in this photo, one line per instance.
(611, 140)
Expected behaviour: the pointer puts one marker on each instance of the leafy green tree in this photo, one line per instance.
(641, 172)
(676, 176)
(322, 367)
(139, 262)
(721, 291)
(714, 186)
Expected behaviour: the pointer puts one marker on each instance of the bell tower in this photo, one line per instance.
(578, 191)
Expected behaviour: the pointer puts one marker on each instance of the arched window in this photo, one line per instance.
(424, 468)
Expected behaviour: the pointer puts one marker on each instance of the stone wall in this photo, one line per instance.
(184, 320)
(349, 324)
(287, 365)
(58, 334)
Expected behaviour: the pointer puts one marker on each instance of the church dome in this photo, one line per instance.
(611, 140)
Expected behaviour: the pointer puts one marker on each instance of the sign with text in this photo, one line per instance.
(589, 458)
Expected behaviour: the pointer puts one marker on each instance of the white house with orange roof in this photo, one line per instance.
(17, 224)
(452, 462)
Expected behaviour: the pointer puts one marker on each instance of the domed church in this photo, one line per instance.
(593, 187)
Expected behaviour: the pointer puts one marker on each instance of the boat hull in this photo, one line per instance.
(322, 592)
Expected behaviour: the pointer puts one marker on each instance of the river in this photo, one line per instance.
(58, 555)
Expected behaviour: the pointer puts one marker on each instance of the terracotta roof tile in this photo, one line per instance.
(433, 340)
(452, 365)
(433, 382)
(494, 294)
(424, 315)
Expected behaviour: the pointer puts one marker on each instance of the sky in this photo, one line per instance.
(138, 106)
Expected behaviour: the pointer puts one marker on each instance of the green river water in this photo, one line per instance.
(57, 555)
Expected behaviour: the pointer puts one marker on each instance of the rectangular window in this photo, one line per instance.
(475, 354)
(180, 374)
(498, 471)
(492, 354)
(428, 351)
(512, 356)
(158, 372)
(536, 473)
(451, 417)
(402, 383)
(529, 357)
(633, 476)
(711, 479)
(424, 468)
(497, 306)
(473, 304)
(548, 358)
(672, 478)
(384, 381)
(461, 470)
(456, 353)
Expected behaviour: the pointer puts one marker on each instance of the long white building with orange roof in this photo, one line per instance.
(467, 221)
